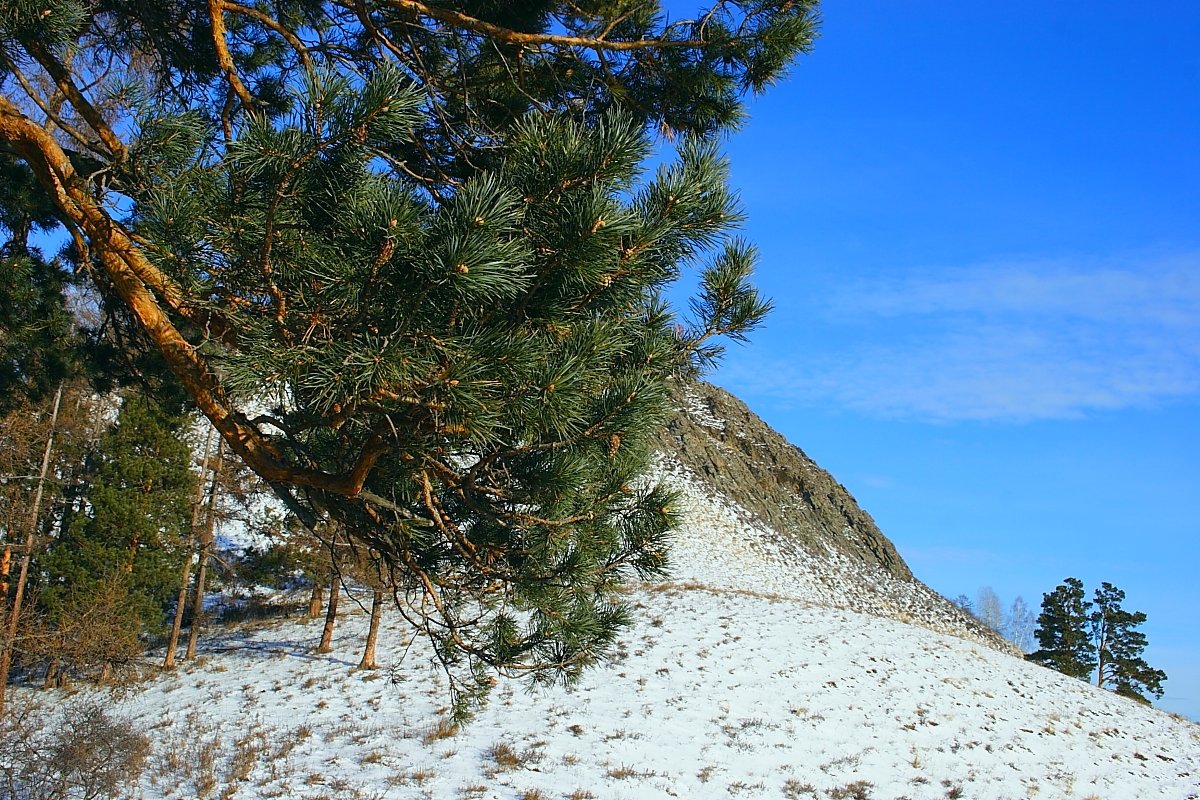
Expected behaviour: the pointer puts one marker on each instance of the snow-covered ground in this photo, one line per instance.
(716, 694)
(748, 675)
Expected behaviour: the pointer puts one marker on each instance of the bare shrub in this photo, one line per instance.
(794, 789)
(93, 634)
(505, 756)
(858, 790)
(80, 753)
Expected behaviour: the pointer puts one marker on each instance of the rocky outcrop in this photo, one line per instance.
(758, 515)
(723, 442)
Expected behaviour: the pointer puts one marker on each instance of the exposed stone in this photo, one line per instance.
(760, 515)
(721, 440)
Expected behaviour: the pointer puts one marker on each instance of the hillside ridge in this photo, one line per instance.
(722, 441)
(740, 479)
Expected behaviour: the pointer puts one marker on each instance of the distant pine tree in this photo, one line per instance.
(964, 604)
(1065, 643)
(1119, 647)
(1081, 638)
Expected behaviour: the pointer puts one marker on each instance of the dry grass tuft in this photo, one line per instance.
(794, 789)
(858, 790)
(444, 728)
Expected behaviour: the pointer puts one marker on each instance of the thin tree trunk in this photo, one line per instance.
(326, 644)
(185, 577)
(197, 605)
(368, 659)
(316, 600)
(14, 613)
(206, 545)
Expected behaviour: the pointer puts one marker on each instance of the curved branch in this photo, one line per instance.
(50, 113)
(510, 36)
(216, 13)
(90, 113)
(125, 264)
(270, 22)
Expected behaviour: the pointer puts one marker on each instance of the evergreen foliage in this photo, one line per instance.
(36, 330)
(120, 553)
(1081, 638)
(420, 233)
(1119, 648)
(1064, 643)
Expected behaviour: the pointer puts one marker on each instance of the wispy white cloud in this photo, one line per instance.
(1012, 342)
(1163, 289)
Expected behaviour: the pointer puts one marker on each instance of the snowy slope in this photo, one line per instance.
(716, 694)
(755, 673)
(720, 544)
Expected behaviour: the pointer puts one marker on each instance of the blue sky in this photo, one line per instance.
(980, 225)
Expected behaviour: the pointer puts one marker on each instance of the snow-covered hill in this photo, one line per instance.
(749, 675)
(792, 655)
(745, 486)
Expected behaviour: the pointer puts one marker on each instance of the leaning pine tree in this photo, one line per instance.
(403, 257)
(1119, 647)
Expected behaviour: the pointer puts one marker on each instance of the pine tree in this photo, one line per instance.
(421, 232)
(42, 449)
(123, 553)
(1065, 643)
(1119, 648)
(964, 604)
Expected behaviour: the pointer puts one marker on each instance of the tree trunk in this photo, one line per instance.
(52, 675)
(326, 644)
(368, 659)
(185, 577)
(316, 600)
(14, 613)
(197, 605)
(206, 545)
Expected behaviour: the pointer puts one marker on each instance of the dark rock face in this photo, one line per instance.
(794, 517)
(723, 442)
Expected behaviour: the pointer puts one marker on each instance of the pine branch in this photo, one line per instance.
(508, 36)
